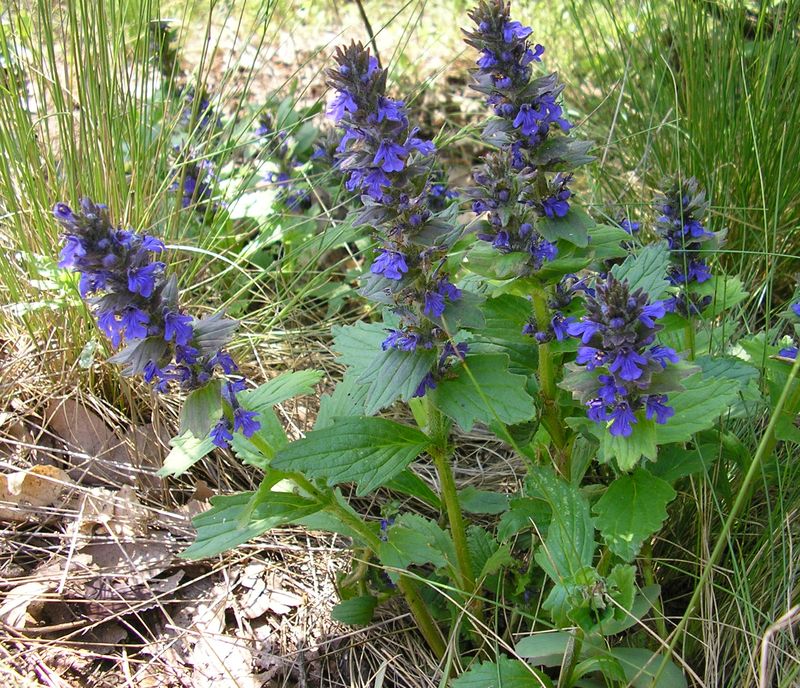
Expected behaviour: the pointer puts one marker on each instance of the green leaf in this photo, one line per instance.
(281, 388)
(621, 588)
(642, 603)
(347, 399)
(676, 461)
(696, 408)
(358, 344)
(409, 483)
(631, 510)
(546, 648)
(574, 227)
(395, 374)
(218, 529)
(202, 409)
(484, 390)
(484, 259)
(646, 270)
(501, 558)
(481, 546)
(523, 514)
(466, 312)
(609, 667)
(367, 451)
(357, 611)
(414, 540)
(729, 368)
(727, 292)
(628, 450)
(186, 451)
(569, 545)
(505, 316)
(640, 667)
(476, 501)
(606, 242)
(505, 673)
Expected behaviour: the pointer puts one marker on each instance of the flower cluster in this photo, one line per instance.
(136, 303)
(528, 113)
(528, 108)
(509, 200)
(563, 295)
(195, 179)
(386, 161)
(198, 114)
(275, 146)
(683, 208)
(618, 345)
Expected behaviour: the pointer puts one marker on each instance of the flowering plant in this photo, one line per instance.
(566, 338)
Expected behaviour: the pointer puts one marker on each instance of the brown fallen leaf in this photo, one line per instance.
(137, 562)
(24, 494)
(264, 592)
(14, 611)
(98, 455)
(105, 511)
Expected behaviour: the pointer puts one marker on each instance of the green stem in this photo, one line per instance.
(440, 453)
(565, 680)
(650, 579)
(422, 616)
(551, 416)
(765, 447)
(690, 339)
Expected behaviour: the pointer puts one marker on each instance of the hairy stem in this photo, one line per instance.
(427, 626)
(441, 455)
(551, 417)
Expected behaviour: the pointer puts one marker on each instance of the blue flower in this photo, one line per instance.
(72, 252)
(113, 328)
(245, 421)
(142, 280)
(656, 406)
(434, 304)
(514, 30)
(393, 110)
(795, 307)
(389, 156)
(221, 433)
(342, 102)
(622, 420)
(390, 264)
(178, 327)
(134, 321)
(425, 384)
(617, 334)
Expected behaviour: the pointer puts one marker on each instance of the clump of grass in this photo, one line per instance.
(707, 88)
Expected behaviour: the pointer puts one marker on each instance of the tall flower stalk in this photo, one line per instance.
(619, 351)
(136, 304)
(385, 160)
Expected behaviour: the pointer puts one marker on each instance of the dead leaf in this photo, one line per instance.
(14, 611)
(202, 492)
(24, 494)
(105, 511)
(99, 457)
(136, 561)
(264, 592)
